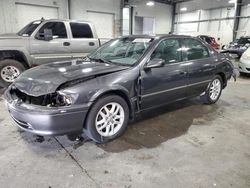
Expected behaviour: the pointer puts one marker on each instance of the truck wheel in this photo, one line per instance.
(213, 92)
(10, 69)
(107, 119)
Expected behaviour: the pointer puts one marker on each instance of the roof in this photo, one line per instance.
(63, 20)
(156, 36)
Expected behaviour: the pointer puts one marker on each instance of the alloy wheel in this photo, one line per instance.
(9, 73)
(109, 119)
(215, 89)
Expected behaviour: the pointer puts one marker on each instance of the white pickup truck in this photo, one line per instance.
(43, 41)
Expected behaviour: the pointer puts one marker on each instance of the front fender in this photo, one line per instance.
(105, 90)
(21, 50)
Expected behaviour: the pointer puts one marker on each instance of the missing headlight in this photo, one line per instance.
(55, 99)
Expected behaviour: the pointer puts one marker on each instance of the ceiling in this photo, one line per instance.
(214, 3)
(159, 1)
(207, 4)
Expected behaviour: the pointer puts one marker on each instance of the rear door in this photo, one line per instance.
(56, 49)
(82, 40)
(201, 65)
(168, 83)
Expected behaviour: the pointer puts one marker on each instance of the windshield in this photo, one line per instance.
(123, 51)
(29, 29)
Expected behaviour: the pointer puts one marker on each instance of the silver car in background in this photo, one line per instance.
(244, 64)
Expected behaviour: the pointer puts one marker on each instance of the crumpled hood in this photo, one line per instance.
(47, 78)
(10, 36)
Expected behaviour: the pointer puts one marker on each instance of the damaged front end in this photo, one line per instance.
(51, 114)
(56, 99)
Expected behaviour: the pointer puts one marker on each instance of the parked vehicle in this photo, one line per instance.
(238, 47)
(244, 64)
(224, 47)
(210, 40)
(122, 78)
(44, 41)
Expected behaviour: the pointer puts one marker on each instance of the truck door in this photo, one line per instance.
(83, 40)
(57, 49)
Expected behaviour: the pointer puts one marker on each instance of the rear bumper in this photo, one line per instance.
(43, 121)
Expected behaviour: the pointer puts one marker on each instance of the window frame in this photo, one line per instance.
(164, 39)
(42, 25)
(90, 27)
(184, 53)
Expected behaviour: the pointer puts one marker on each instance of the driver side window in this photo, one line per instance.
(168, 50)
(58, 29)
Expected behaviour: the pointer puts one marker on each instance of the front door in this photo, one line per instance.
(57, 49)
(168, 83)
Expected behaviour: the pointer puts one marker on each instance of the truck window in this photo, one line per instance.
(58, 29)
(81, 30)
(29, 29)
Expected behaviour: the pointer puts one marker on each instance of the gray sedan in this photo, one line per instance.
(128, 75)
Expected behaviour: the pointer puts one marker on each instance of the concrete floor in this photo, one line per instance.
(186, 144)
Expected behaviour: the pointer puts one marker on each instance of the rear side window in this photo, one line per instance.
(58, 29)
(81, 30)
(194, 49)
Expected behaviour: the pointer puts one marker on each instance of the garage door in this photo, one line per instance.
(104, 23)
(27, 13)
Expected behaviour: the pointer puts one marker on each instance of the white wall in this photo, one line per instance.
(80, 8)
(8, 18)
(207, 10)
(222, 29)
(244, 25)
(161, 12)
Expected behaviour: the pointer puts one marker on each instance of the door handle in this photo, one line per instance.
(66, 44)
(91, 44)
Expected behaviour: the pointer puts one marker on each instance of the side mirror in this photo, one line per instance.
(47, 35)
(154, 63)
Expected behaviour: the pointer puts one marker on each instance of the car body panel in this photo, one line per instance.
(48, 78)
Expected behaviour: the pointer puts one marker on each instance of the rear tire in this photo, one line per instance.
(10, 69)
(213, 92)
(107, 119)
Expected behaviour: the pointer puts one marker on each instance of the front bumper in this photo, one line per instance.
(42, 120)
(244, 66)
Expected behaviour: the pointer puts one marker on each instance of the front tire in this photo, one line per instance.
(107, 119)
(10, 69)
(213, 92)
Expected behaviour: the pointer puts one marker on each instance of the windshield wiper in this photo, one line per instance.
(101, 60)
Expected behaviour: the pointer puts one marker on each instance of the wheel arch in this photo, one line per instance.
(120, 92)
(223, 77)
(15, 55)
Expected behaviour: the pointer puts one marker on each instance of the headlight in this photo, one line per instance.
(66, 99)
